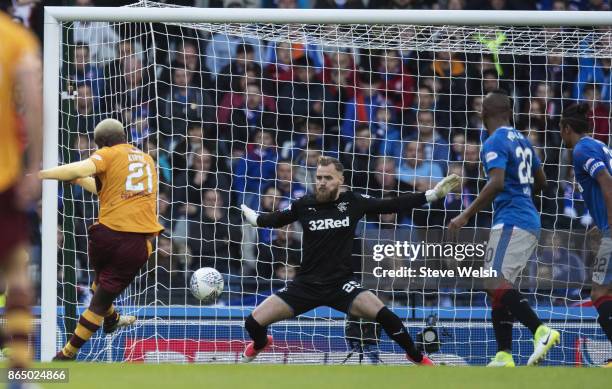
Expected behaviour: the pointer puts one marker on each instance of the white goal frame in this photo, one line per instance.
(54, 16)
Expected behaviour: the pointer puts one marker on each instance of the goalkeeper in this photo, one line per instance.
(328, 218)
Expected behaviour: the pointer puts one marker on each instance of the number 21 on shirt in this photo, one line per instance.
(135, 180)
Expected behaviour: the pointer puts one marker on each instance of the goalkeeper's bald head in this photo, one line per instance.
(109, 132)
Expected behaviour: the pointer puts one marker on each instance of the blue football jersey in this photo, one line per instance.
(508, 149)
(590, 157)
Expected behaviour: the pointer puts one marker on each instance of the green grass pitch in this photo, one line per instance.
(137, 376)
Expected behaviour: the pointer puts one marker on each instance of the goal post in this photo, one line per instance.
(526, 33)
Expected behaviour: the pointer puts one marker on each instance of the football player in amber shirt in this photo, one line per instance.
(125, 180)
(21, 115)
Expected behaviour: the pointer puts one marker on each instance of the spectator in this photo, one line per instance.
(254, 171)
(269, 201)
(200, 176)
(600, 114)
(289, 189)
(357, 158)
(243, 60)
(593, 71)
(364, 106)
(558, 272)
(307, 167)
(164, 209)
(387, 134)
(222, 48)
(574, 209)
(212, 239)
(280, 259)
(99, 36)
(182, 104)
(135, 97)
(305, 98)
(474, 119)
(169, 273)
(459, 199)
(252, 115)
(472, 166)
(83, 72)
(435, 147)
(309, 132)
(280, 69)
(449, 71)
(417, 171)
(186, 57)
(384, 179)
(458, 147)
(398, 81)
(82, 117)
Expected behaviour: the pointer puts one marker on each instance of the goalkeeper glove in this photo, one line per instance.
(442, 188)
(249, 215)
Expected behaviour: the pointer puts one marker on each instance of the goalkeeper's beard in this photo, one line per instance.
(326, 195)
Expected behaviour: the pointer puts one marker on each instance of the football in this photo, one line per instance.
(206, 284)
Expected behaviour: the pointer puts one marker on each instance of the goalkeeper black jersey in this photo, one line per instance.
(329, 230)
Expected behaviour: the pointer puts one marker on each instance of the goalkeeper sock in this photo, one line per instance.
(604, 308)
(89, 322)
(257, 332)
(18, 326)
(394, 327)
(502, 326)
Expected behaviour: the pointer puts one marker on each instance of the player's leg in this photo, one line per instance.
(601, 290)
(113, 320)
(89, 322)
(367, 306)
(18, 307)
(272, 310)
(508, 252)
(116, 257)
(287, 303)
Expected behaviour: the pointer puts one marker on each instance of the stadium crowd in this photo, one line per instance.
(234, 120)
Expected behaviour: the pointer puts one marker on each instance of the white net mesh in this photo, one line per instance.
(239, 113)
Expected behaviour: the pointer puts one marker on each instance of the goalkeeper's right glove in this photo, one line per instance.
(249, 215)
(442, 188)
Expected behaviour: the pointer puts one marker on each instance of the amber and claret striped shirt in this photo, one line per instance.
(16, 43)
(128, 191)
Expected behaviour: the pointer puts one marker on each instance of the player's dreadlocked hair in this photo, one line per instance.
(576, 116)
(324, 161)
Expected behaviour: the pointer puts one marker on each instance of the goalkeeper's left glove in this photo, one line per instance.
(442, 188)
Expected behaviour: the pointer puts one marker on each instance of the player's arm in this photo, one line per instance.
(69, 172)
(483, 200)
(412, 200)
(87, 183)
(605, 183)
(539, 180)
(274, 219)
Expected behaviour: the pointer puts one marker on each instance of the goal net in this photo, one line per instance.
(239, 113)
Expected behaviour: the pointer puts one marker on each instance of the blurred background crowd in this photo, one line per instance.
(234, 120)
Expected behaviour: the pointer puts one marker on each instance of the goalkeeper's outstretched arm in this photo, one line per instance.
(413, 200)
(271, 219)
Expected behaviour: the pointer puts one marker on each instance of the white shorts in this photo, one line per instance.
(602, 268)
(508, 251)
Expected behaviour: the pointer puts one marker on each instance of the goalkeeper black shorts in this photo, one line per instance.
(304, 296)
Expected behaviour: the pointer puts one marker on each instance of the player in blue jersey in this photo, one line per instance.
(514, 173)
(593, 170)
